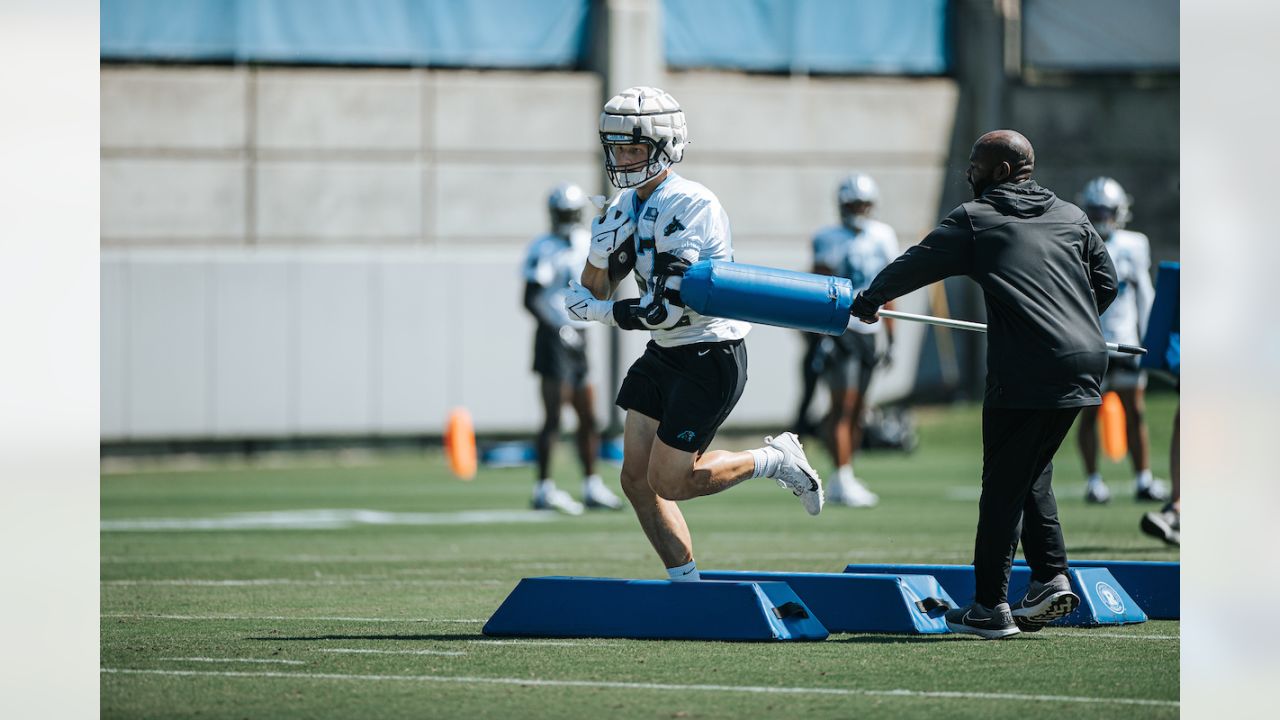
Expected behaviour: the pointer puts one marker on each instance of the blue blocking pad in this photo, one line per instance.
(846, 602)
(1154, 585)
(770, 296)
(1103, 600)
(654, 610)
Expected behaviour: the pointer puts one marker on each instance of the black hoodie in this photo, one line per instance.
(1046, 277)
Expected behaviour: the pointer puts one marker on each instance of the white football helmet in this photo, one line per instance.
(1106, 204)
(642, 115)
(565, 205)
(858, 191)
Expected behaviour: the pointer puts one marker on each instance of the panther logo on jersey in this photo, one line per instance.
(672, 226)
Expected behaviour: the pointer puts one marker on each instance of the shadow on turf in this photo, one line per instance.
(304, 638)
(1105, 550)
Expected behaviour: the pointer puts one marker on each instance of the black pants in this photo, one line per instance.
(1017, 498)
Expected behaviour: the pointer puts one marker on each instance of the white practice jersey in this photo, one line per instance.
(551, 262)
(858, 255)
(1125, 321)
(685, 219)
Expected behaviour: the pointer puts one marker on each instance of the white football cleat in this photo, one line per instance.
(556, 499)
(795, 473)
(596, 495)
(853, 494)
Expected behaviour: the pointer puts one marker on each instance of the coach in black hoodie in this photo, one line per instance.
(1046, 277)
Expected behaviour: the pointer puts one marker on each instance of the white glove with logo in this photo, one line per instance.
(609, 231)
(584, 306)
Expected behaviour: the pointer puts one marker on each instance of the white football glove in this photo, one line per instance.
(609, 231)
(584, 306)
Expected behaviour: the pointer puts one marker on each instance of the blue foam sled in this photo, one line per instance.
(1103, 600)
(654, 609)
(847, 602)
(1153, 585)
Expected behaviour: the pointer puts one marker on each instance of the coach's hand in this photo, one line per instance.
(609, 231)
(865, 310)
(584, 306)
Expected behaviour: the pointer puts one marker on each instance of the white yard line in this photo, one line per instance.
(1084, 633)
(330, 519)
(561, 643)
(153, 616)
(360, 651)
(527, 682)
(194, 582)
(234, 660)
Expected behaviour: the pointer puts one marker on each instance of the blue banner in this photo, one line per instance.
(892, 37)
(477, 33)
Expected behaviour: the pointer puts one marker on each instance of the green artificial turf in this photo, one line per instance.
(190, 614)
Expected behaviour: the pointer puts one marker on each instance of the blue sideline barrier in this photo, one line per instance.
(654, 609)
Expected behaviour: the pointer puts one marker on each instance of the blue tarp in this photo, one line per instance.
(476, 33)
(821, 36)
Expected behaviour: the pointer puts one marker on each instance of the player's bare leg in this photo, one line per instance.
(1135, 417)
(660, 519)
(552, 396)
(594, 492)
(845, 438)
(546, 496)
(1096, 491)
(681, 475)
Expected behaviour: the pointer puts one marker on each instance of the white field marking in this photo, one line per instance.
(148, 616)
(327, 520)
(234, 660)
(897, 692)
(561, 643)
(393, 652)
(1118, 636)
(291, 581)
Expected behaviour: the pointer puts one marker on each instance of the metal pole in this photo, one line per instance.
(979, 327)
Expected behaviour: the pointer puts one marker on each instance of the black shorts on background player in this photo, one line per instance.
(560, 354)
(689, 389)
(852, 361)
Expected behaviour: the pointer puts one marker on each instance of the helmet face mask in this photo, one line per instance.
(565, 205)
(858, 193)
(1107, 205)
(647, 117)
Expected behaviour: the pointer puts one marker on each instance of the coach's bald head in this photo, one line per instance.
(997, 157)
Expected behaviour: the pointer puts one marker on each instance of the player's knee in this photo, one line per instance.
(634, 484)
(670, 486)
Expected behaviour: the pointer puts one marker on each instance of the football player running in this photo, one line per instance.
(858, 248)
(559, 351)
(692, 373)
(1107, 205)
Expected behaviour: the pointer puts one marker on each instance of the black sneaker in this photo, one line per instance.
(987, 623)
(1165, 525)
(1044, 603)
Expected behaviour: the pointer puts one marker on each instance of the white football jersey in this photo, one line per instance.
(1125, 321)
(685, 219)
(552, 261)
(858, 255)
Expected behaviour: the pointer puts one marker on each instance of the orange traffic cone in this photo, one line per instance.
(1111, 421)
(460, 444)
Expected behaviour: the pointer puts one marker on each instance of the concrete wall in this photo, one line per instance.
(321, 251)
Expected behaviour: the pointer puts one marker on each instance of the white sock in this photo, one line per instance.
(1143, 479)
(1094, 479)
(844, 474)
(768, 461)
(544, 486)
(687, 572)
(590, 482)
